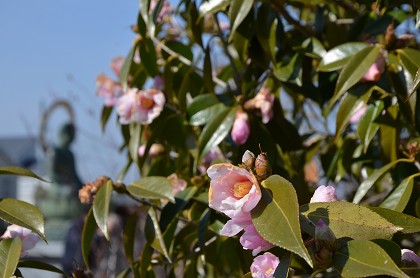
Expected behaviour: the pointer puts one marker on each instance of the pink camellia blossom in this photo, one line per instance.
(376, 69)
(233, 190)
(263, 102)
(109, 89)
(237, 224)
(264, 265)
(177, 184)
(410, 258)
(155, 150)
(140, 106)
(241, 128)
(116, 65)
(324, 194)
(252, 240)
(29, 238)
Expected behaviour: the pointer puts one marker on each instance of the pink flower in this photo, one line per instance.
(376, 69)
(233, 190)
(29, 238)
(155, 150)
(237, 224)
(263, 101)
(264, 265)
(177, 184)
(241, 128)
(107, 88)
(116, 65)
(140, 106)
(324, 194)
(251, 239)
(410, 258)
(355, 118)
(158, 83)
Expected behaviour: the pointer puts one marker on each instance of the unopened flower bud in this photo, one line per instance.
(409, 258)
(262, 167)
(241, 128)
(248, 160)
(325, 243)
(324, 194)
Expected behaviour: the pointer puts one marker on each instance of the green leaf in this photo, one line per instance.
(410, 59)
(368, 124)
(135, 139)
(400, 196)
(266, 30)
(351, 103)
(148, 56)
(215, 131)
(152, 188)
(373, 178)
(208, 71)
(279, 198)
(212, 6)
(354, 70)
(89, 230)
(201, 102)
(129, 236)
(23, 214)
(290, 71)
(159, 242)
(350, 220)
(338, 56)
(362, 258)
(18, 171)
(389, 133)
(101, 207)
(10, 249)
(40, 265)
(203, 116)
(409, 224)
(126, 67)
(239, 9)
(416, 83)
(391, 248)
(105, 114)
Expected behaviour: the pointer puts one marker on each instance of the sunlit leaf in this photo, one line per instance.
(158, 243)
(338, 56)
(101, 204)
(213, 6)
(239, 9)
(416, 83)
(373, 178)
(279, 198)
(350, 220)
(354, 70)
(152, 188)
(9, 256)
(410, 59)
(89, 230)
(369, 125)
(409, 224)
(23, 214)
(362, 258)
(400, 196)
(203, 116)
(18, 171)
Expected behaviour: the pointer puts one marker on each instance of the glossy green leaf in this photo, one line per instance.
(101, 204)
(391, 248)
(158, 243)
(135, 139)
(201, 102)
(129, 236)
(410, 59)
(290, 71)
(40, 265)
(18, 171)
(389, 133)
(400, 196)
(239, 9)
(105, 114)
(126, 67)
(195, 23)
(362, 258)
(89, 230)
(279, 198)
(181, 49)
(354, 70)
(152, 188)
(9, 256)
(145, 260)
(350, 220)
(369, 125)
(215, 131)
(338, 56)
(148, 56)
(373, 178)
(416, 83)
(23, 214)
(213, 6)
(266, 30)
(409, 224)
(203, 116)
(351, 103)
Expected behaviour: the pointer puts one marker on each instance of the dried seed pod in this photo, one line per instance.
(262, 166)
(248, 160)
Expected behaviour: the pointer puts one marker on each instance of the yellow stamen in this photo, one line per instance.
(146, 102)
(241, 188)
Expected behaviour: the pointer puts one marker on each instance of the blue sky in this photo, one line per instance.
(54, 50)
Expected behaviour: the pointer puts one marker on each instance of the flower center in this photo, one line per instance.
(241, 188)
(269, 272)
(146, 102)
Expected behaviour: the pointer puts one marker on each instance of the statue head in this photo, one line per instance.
(67, 134)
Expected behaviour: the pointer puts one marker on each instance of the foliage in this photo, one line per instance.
(329, 89)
